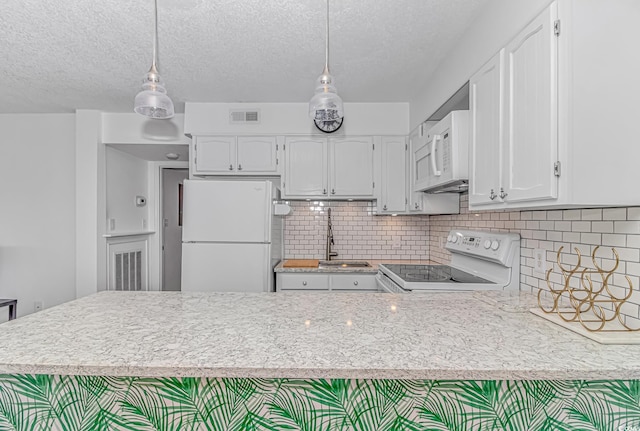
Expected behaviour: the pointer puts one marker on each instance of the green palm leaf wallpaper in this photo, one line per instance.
(80, 403)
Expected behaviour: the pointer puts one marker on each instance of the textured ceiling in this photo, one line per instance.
(62, 55)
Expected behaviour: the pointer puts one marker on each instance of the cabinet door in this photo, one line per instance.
(305, 172)
(416, 141)
(257, 155)
(351, 162)
(485, 118)
(393, 197)
(214, 154)
(531, 127)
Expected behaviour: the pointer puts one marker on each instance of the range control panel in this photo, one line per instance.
(494, 246)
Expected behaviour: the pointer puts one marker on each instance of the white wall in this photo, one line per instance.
(90, 204)
(126, 177)
(293, 119)
(497, 23)
(37, 209)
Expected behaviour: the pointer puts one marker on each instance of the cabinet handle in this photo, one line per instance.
(239, 167)
(304, 283)
(230, 167)
(492, 195)
(355, 283)
(324, 191)
(333, 191)
(502, 193)
(384, 207)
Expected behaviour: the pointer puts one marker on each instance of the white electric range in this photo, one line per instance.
(479, 261)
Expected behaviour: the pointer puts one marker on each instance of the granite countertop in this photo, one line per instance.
(306, 335)
(373, 268)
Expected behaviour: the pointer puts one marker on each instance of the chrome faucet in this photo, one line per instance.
(329, 254)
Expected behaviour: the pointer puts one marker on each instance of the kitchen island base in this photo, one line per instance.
(52, 403)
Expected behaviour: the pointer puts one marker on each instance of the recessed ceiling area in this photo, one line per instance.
(63, 55)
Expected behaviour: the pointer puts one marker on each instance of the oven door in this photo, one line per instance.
(385, 284)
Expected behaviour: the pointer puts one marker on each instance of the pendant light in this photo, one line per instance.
(153, 101)
(326, 105)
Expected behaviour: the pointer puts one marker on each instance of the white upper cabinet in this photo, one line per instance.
(228, 155)
(213, 155)
(417, 142)
(305, 172)
(391, 194)
(552, 120)
(257, 154)
(513, 120)
(351, 167)
(531, 115)
(336, 168)
(485, 120)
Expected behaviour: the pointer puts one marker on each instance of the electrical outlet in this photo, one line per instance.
(37, 306)
(396, 243)
(112, 224)
(539, 261)
(144, 223)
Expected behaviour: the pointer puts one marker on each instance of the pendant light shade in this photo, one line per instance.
(153, 101)
(326, 105)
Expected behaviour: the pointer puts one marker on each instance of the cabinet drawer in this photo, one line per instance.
(306, 281)
(354, 282)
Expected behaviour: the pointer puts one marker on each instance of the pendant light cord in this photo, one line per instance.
(154, 65)
(326, 54)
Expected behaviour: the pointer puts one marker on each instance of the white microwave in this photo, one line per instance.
(441, 163)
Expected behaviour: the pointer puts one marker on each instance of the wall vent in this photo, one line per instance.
(128, 271)
(128, 265)
(244, 117)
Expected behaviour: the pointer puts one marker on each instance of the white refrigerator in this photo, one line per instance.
(231, 240)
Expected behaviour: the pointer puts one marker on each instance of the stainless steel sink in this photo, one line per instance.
(337, 264)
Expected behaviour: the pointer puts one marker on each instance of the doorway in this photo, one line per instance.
(172, 181)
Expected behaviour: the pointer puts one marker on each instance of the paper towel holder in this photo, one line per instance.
(281, 209)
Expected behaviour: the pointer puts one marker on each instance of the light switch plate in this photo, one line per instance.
(396, 242)
(539, 261)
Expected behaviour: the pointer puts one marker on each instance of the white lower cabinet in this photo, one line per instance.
(318, 282)
(362, 282)
(307, 282)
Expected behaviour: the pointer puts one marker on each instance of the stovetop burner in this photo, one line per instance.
(433, 273)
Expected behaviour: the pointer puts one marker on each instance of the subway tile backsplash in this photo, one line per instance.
(358, 234)
(584, 229)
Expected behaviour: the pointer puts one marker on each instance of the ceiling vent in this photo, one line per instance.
(244, 117)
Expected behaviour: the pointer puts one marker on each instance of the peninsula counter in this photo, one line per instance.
(411, 357)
